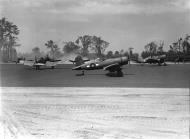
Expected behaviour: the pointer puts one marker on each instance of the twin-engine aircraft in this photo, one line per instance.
(113, 65)
(160, 60)
(42, 62)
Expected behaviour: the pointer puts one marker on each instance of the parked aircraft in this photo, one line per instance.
(113, 65)
(160, 60)
(179, 59)
(41, 62)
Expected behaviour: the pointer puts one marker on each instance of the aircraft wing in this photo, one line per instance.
(112, 67)
(50, 64)
(77, 68)
(55, 60)
(39, 64)
(72, 61)
(29, 63)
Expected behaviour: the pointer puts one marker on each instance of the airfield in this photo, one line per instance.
(171, 76)
(149, 102)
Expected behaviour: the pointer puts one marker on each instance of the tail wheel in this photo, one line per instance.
(92, 65)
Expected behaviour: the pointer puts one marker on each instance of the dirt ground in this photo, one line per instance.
(95, 113)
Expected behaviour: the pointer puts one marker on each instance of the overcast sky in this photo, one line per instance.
(122, 23)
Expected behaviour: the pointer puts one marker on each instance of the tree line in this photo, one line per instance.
(87, 45)
(8, 39)
(179, 48)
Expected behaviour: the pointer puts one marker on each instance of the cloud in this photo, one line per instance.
(131, 7)
(91, 7)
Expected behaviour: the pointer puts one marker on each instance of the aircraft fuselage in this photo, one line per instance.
(101, 64)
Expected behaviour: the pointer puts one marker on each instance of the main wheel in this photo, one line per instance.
(119, 73)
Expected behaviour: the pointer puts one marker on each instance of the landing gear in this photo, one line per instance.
(119, 73)
(52, 67)
(116, 73)
(162, 62)
(37, 67)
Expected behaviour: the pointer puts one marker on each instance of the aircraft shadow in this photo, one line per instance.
(56, 68)
(107, 74)
(151, 65)
(36, 69)
(115, 74)
(79, 74)
(62, 68)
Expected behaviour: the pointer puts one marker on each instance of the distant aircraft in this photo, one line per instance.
(113, 65)
(179, 59)
(42, 62)
(160, 60)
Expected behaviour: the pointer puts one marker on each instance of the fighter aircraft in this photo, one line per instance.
(113, 65)
(160, 60)
(41, 62)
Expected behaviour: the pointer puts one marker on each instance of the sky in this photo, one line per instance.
(122, 23)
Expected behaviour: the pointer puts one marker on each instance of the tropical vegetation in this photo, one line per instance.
(87, 45)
